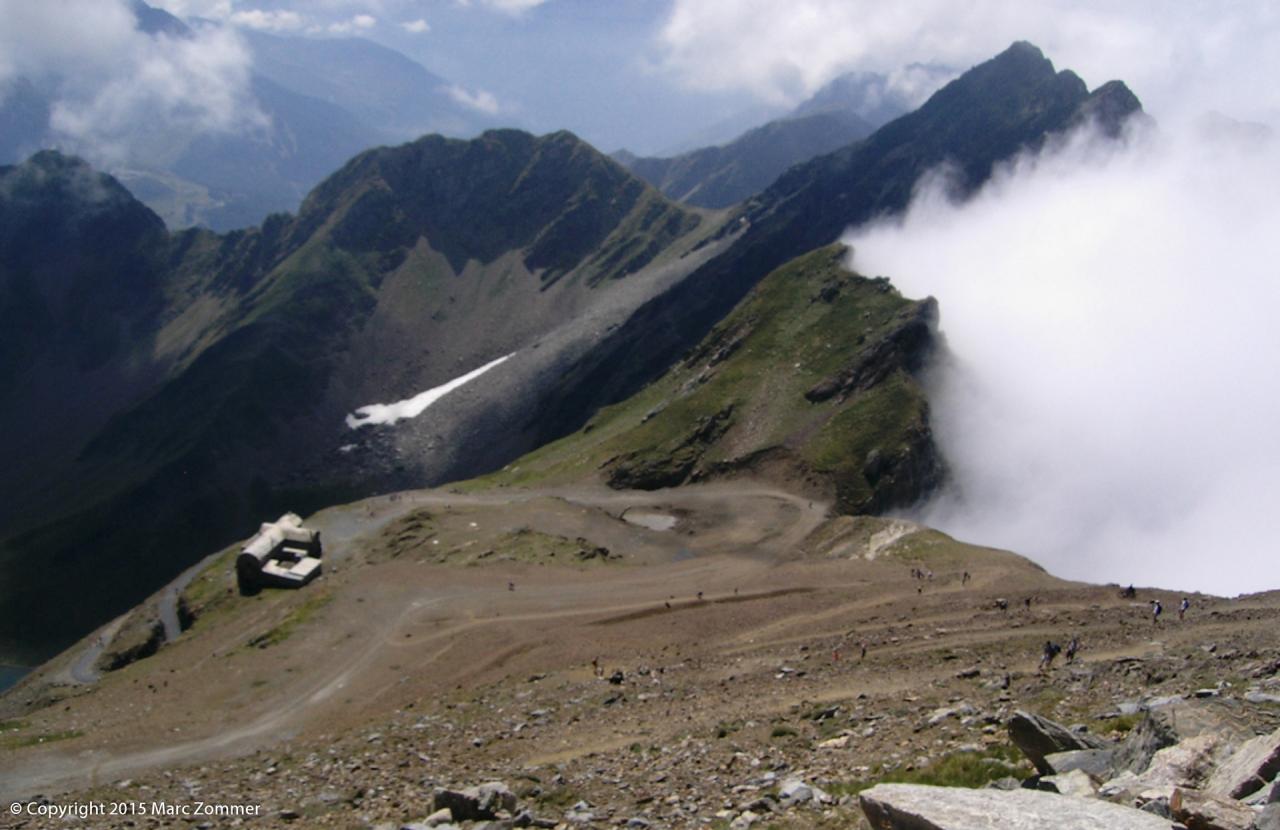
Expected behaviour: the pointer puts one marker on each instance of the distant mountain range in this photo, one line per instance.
(165, 391)
(848, 108)
(326, 99)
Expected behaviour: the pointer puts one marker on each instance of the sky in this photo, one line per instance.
(1109, 402)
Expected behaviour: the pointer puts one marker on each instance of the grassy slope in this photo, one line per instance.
(749, 378)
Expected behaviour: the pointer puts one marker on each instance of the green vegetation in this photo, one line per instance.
(740, 396)
(11, 736)
(296, 617)
(1116, 727)
(213, 590)
(958, 769)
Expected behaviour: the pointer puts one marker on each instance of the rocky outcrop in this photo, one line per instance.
(1204, 811)
(906, 345)
(486, 801)
(919, 807)
(1039, 737)
(141, 636)
(671, 465)
(1248, 769)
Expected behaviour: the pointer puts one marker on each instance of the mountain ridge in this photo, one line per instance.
(245, 326)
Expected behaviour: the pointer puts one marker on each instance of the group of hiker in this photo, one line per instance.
(1051, 649)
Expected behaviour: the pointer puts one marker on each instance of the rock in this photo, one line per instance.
(1269, 818)
(441, 816)
(1152, 734)
(1038, 737)
(1096, 762)
(1248, 769)
(1187, 764)
(476, 803)
(919, 807)
(744, 820)
(1205, 811)
(1157, 807)
(580, 813)
(1076, 783)
(1176, 722)
(795, 791)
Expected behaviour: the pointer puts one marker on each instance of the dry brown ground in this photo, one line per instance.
(459, 679)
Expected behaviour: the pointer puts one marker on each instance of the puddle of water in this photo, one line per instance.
(653, 521)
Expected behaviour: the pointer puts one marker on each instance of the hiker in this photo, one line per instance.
(863, 654)
(1003, 605)
(1156, 610)
(1051, 650)
(1027, 603)
(964, 580)
(1072, 648)
(1129, 593)
(511, 586)
(699, 596)
(595, 667)
(1182, 607)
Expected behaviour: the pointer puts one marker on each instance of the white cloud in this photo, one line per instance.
(275, 20)
(511, 7)
(122, 91)
(1166, 51)
(356, 23)
(478, 100)
(1113, 405)
(416, 27)
(208, 9)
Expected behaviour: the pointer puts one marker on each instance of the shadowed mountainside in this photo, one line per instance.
(1010, 104)
(168, 390)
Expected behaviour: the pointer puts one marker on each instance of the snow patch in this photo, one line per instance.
(389, 413)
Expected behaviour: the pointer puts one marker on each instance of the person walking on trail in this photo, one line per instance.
(1072, 648)
(1182, 607)
(1051, 650)
(862, 655)
(964, 580)
(1156, 610)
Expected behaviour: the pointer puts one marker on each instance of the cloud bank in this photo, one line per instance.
(1169, 52)
(114, 86)
(1111, 408)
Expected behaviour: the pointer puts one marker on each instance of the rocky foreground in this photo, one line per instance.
(1156, 744)
(461, 676)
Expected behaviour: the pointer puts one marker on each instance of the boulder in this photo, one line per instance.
(439, 817)
(1249, 768)
(1076, 783)
(476, 803)
(920, 807)
(1269, 818)
(1096, 762)
(1177, 721)
(1187, 764)
(1038, 737)
(1205, 811)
